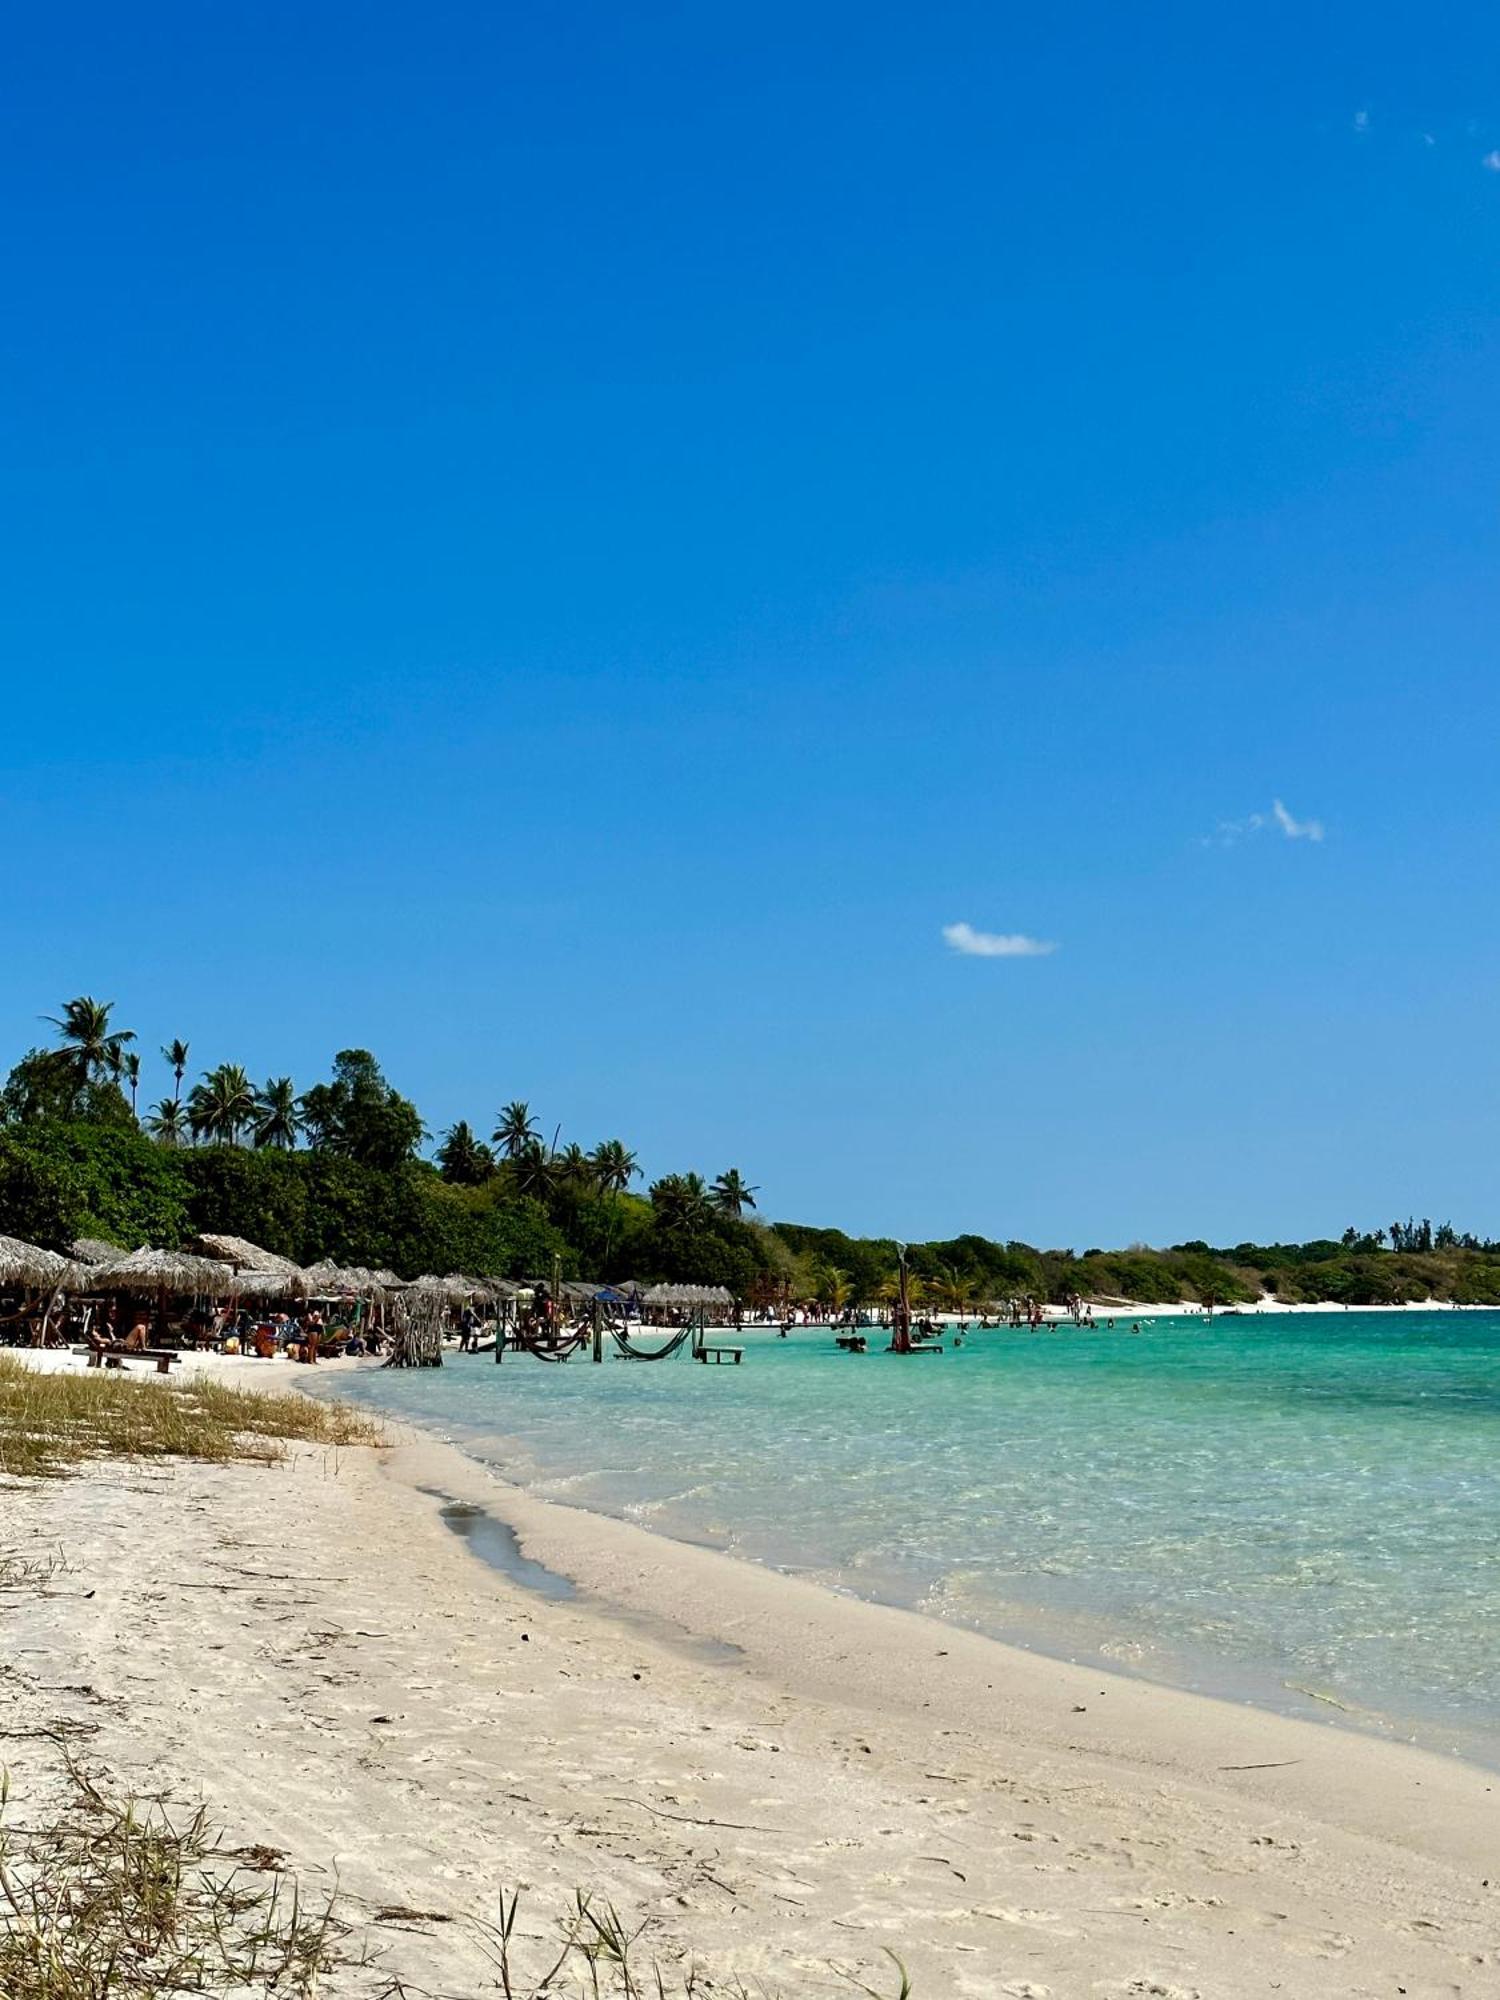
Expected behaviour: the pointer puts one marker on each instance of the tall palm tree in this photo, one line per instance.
(574, 1167)
(168, 1122)
(222, 1105)
(614, 1166)
(515, 1129)
(175, 1055)
(730, 1193)
(94, 1048)
(464, 1158)
(130, 1070)
(277, 1117)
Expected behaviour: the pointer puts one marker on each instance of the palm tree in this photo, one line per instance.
(574, 1167)
(533, 1169)
(681, 1200)
(730, 1194)
(834, 1288)
(464, 1158)
(130, 1069)
(277, 1117)
(613, 1165)
(222, 1105)
(175, 1055)
(167, 1122)
(93, 1048)
(515, 1129)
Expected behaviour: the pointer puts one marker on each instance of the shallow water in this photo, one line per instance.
(1303, 1509)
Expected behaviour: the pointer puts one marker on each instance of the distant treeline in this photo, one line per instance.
(335, 1172)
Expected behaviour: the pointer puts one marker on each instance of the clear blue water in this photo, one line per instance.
(1303, 1510)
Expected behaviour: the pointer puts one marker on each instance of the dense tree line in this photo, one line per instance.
(335, 1171)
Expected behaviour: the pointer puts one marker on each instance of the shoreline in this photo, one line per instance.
(849, 1776)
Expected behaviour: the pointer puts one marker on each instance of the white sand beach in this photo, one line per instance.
(779, 1782)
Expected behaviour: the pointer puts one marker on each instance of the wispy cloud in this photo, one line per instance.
(1492, 161)
(1295, 829)
(1277, 820)
(969, 943)
(1361, 121)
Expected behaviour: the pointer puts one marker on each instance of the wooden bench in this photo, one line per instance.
(720, 1354)
(116, 1357)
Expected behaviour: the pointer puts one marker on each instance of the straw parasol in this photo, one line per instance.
(158, 1271)
(29, 1265)
(267, 1284)
(95, 1250)
(454, 1290)
(243, 1255)
(689, 1295)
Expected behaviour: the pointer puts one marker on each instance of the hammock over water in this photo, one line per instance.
(632, 1353)
(562, 1352)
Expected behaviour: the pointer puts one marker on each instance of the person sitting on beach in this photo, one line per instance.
(139, 1336)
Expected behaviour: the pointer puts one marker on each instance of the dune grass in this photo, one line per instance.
(49, 1423)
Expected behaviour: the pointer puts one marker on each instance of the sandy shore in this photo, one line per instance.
(779, 1781)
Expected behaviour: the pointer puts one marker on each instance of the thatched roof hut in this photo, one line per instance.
(243, 1255)
(158, 1271)
(29, 1265)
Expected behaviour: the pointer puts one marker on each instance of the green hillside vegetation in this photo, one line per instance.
(336, 1172)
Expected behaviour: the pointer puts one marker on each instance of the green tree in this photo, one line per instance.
(730, 1193)
(358, 1116)
(93, 1046)
(46, 1084)
(514, 1129)
(130, 1071)
(463, 1158)
(277, 1119)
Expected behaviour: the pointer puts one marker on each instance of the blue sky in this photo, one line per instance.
(567, 546)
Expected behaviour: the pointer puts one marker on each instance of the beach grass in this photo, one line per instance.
(51, 1422)
(113, 1896)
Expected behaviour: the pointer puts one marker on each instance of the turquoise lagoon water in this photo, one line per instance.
(1303, 1510)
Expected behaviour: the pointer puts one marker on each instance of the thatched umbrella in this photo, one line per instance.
(243, 1255)
(268, 1284)
(454, 1290)
(30, 1266)
(326, 1276)
(171, 1271)
(689, 1295)
(95, 1250)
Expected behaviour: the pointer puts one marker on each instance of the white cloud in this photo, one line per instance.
(1278, 818)
(969, 943)
(1361, 121)
(1295, 829)
(1492, 161)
